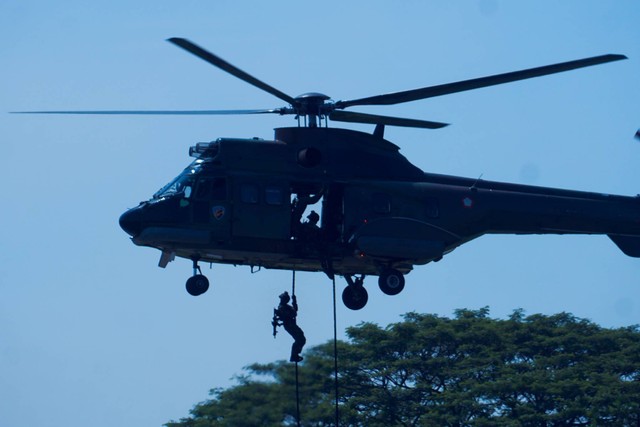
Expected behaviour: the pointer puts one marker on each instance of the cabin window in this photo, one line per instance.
(219, 189)
(381, 203)
(202, 191)
(212, 189)
(432, 208)
(249, 193)
(273, 195)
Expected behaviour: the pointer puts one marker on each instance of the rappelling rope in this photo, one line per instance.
(335, 351)
(335, 355)
(293, 296)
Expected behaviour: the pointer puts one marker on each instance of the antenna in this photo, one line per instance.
(474, 187)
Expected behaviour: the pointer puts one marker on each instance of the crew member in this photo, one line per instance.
(298, 207)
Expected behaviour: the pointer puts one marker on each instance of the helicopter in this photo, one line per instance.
(369, 211)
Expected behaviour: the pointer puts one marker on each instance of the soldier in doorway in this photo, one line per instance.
(298, 207)
(309, 231)
(285, 315)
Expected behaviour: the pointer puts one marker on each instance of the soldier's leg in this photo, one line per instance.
(299, 342)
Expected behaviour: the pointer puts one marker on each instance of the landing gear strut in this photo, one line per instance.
(355, 296)
(198, 283)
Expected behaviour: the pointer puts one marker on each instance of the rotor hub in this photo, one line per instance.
(311, 103)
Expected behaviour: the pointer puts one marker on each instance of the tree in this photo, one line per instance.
(427, 370)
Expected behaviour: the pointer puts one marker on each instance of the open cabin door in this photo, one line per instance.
(261, 210)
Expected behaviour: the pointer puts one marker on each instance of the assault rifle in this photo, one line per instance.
(275, 323)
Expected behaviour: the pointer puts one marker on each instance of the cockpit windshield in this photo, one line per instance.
(182, 184)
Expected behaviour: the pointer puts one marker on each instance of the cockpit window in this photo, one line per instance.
(183, 185)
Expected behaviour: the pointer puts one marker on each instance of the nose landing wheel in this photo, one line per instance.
(197, 284)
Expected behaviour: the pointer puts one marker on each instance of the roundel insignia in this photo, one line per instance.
(467, 202)
(218, 212)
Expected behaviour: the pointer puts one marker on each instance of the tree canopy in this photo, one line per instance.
(470, 370)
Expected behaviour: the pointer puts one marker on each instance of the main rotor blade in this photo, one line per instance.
(231, 69)
(445, 89)
(353, 117)
(157, 112)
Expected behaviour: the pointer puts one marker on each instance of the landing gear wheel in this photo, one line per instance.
(391, 281)
(355, 297)
(197, 285)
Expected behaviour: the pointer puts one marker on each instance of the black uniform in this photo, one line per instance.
(286, 314)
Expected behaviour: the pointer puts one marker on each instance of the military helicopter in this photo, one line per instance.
(373, 213)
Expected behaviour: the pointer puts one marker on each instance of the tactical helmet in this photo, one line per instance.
(284, 297)
(313, 217)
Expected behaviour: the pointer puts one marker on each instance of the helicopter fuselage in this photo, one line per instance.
(242, 202)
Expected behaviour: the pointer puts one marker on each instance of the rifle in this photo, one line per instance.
(274, 322)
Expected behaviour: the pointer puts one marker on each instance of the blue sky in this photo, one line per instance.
(92, 332)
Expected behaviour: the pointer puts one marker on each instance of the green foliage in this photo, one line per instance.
(467, 371)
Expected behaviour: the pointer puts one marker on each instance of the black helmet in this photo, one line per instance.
(284, 297)
(313, 217)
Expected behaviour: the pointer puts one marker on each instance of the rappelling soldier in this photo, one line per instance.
(285, 315)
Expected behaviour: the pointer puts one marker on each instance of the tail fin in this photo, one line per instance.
(630, 245)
